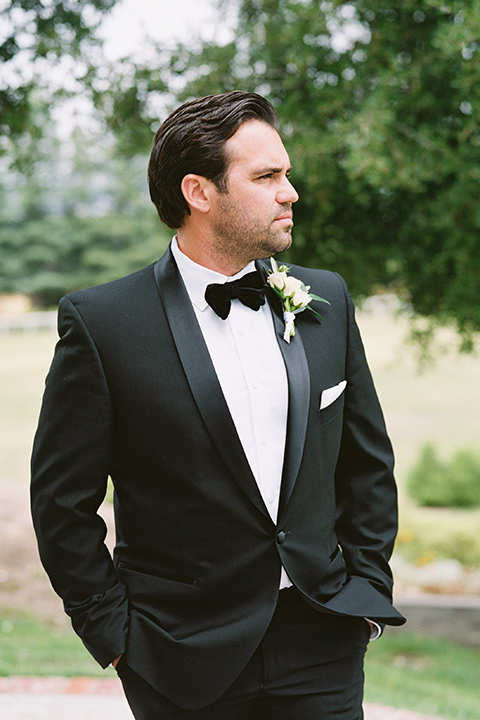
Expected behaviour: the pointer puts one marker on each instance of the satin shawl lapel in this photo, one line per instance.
(201, 376)
(298, 396)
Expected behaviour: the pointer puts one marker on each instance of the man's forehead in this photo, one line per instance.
(257, 142)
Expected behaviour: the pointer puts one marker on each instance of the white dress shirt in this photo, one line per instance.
(251, 372)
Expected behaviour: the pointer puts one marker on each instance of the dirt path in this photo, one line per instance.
(24, 585)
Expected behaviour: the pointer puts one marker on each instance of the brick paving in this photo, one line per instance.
(81, 698)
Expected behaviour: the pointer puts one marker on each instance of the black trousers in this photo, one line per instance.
(309, 666)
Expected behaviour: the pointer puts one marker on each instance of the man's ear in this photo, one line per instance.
(197, 191)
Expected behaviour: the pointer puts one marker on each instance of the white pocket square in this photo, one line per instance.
(331, 394)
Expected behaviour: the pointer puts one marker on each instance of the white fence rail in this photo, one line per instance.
(28, 322)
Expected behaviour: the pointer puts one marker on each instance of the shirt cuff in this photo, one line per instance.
(376, 630)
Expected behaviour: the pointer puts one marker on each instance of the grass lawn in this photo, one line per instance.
(428, 675)
(438, 403)
(422, 674)
(28, 647)
(24, 363)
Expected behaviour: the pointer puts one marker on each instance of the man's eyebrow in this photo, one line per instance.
(274, 170)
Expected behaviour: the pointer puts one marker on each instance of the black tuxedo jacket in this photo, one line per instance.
(193, 584)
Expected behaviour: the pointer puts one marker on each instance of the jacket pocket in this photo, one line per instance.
(334, 553)
(157, 574)
(331, 410)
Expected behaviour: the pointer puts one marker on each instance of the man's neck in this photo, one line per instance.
(201, 252)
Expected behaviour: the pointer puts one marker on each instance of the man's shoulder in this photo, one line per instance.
(115, 290)
(318, 274)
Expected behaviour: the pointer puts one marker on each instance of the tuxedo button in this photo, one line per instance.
(281, 537)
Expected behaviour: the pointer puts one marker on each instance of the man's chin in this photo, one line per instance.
(284, 242)
(274, 245)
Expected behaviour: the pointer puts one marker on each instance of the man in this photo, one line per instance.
(254, 497)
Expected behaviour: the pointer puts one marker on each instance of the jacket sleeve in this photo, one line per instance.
(70, 466)
(366, 493)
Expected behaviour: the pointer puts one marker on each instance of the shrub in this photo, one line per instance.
(427, 481)
(464, 475)
(433, 483)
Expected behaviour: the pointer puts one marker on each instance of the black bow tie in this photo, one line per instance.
(249, 289)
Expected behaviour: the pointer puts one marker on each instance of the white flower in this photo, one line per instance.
(277, 280)
(294, 296)
(292, 285)
(301, 298)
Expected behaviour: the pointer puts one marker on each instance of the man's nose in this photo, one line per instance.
(287, 193)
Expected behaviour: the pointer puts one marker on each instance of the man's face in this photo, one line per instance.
(253, 218)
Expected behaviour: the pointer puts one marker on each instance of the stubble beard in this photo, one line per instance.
(242, 239)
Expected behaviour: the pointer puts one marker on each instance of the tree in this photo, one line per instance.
(35, 37)
(79, 218)
(380, 107)
(49, 257)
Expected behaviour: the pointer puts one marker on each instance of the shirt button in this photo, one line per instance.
(264, 442)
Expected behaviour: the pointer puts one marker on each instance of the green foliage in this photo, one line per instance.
(77, 219)
(51, 256)
(380, 110)
(35, 36)
(437, 484)
(125, 98)
(427, 482)
(464, 471)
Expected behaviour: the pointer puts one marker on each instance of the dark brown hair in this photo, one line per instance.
(192, 140)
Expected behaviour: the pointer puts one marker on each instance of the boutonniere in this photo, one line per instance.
(294, 295)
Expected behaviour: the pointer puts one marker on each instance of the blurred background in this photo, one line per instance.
(379, 104)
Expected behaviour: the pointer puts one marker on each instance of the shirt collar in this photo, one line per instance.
(196, 277)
